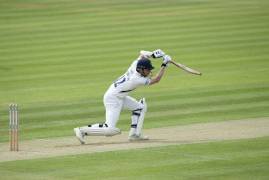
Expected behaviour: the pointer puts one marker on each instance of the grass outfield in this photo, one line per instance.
(58, 59)
(245, 159)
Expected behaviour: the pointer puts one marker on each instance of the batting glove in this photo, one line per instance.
(158, 53)
(166, 60)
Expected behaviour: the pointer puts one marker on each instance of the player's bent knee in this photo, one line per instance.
(143, 104)
(137, 112)
(142, 107)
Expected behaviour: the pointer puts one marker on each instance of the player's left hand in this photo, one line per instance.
(158, 53)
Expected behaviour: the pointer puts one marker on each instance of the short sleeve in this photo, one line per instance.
(148, 80)
(144, 81)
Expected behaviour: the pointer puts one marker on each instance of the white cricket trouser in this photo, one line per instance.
(114, 105)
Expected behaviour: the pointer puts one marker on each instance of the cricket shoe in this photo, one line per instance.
(79, 135)
(138, 138)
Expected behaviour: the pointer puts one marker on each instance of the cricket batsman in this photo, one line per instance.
(116, 98)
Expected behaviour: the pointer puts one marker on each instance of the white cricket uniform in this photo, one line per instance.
(116, 97)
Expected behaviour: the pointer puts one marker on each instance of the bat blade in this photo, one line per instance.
(185, 68)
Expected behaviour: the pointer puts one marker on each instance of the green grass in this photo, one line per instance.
(245, 159)
(58, 58)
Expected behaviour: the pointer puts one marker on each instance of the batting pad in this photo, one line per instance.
(140, 122)
(95, 130)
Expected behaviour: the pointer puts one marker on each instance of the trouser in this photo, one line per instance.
(114, 105)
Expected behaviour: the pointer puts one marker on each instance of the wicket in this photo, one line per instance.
(14, 127)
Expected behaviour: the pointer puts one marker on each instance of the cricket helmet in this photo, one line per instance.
(144, 63)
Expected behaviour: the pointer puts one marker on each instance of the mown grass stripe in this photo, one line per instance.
(155, 120)
(203, 45)
(32, 42)
(63, 60)
(40, 72)
(169, 106)
(60, 25)
(171, 109)
(156, 11)
(225, 23)
(192, 104)
(70, 10)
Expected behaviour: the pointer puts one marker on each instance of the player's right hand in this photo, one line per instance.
(158, 53)
(166, 59)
